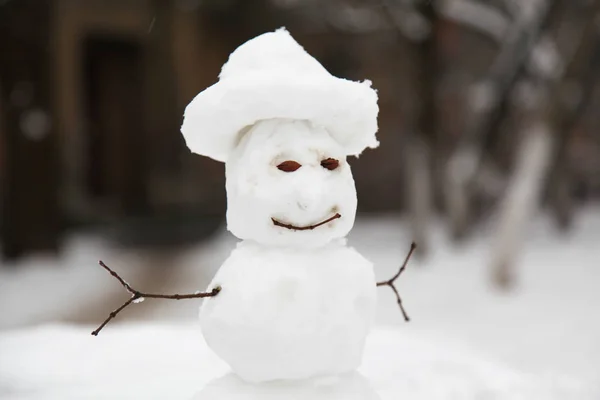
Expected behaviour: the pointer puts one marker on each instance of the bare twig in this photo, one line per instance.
(305, 228)
(390, 282)
(137, 296)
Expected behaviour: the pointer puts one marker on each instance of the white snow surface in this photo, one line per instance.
(287, 313)
(272, 76)
(153, 361)
(258, 192)
(466, 340)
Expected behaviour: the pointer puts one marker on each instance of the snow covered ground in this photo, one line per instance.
(172, 362)
(466, 340)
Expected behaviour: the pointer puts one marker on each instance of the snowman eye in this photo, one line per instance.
(289, 166)
(330, 163)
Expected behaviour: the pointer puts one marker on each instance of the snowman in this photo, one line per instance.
(292, 301)
(296, 301)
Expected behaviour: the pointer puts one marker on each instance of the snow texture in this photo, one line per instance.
(296, 303)
(153, 361)
(257, 191)
(272, 76)
(289, 313)
(351, 386)
(465, 341)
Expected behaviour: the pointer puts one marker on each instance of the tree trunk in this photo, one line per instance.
(487, 106)
(521, 200)
(422, 136)
(550, 120)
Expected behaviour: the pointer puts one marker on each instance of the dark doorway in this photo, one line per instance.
(30, 215)
(116, 172)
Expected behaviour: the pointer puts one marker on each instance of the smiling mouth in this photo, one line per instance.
(305, 228)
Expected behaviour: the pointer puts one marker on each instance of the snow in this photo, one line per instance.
(41, 288)
(296, 302)
(465, 340)
(272, 76)
(289, 313)
(277, 316)
(257, 191)
(153, 361)
(352, 386)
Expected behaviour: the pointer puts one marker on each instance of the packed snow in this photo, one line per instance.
(290, 313)
(258, 192)
(296, 303)
(154, 361)
(272, 76)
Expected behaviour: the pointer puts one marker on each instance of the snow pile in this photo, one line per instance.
(172, 362)
(257, 191)
(272, 76)
(290, 314)
(351, 386)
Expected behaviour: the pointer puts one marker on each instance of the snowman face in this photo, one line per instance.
(288, 184)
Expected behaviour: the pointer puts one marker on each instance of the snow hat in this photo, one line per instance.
(272, 76)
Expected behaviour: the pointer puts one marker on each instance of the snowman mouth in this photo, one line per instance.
(305, 228)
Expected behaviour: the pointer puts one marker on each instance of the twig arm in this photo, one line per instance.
(117, 277)
(137, 295)
(112, 315)
(390, 282)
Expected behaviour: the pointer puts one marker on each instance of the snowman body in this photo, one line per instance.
(288, 313)
(296, 302)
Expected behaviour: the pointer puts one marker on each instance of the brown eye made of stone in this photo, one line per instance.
(289, 166)
(330, 163)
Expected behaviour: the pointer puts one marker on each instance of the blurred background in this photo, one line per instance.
(489, 159)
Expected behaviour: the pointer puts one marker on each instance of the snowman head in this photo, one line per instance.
(284, 127)
(288, 184)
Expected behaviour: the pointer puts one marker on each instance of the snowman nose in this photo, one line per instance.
(309, 198)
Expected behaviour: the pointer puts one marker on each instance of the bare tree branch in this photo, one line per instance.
(486, 108)
(548, 121)
(390, 282)
(558, 179)
(137, 296)
(477, 16)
